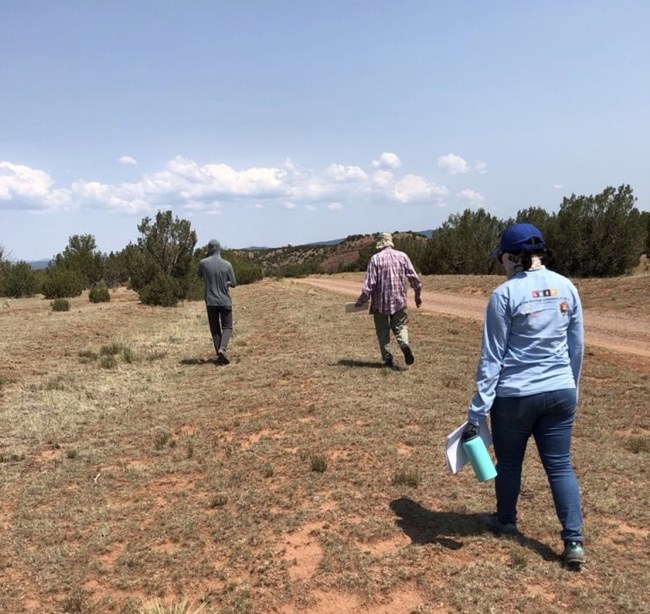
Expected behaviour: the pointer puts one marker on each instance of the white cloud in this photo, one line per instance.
(453, 164)
(413, 188)
(186, 185)
(472, 196)
(558, 186)
(338, 172)
(480, 167)
(383, 179)
(128, 160)
(311, 208)
(22, 182)
(289, 205)
(387, 160)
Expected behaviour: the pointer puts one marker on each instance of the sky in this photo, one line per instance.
(277, 122)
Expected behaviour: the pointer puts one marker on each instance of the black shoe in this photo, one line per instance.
(408, 355)
(222, 359)
(388, 362)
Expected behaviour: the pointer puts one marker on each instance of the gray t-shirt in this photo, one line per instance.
(218, 276)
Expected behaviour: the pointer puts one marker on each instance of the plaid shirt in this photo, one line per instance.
(384, 283)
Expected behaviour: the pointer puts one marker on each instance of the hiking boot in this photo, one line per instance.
(388, 362)
(408, 355)
(492, 523)
(222, 359)
(574, 553)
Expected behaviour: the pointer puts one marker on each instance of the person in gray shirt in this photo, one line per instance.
(218, 277)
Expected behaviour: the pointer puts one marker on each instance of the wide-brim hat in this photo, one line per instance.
(385, 240)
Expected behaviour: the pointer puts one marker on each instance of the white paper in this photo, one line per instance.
(352, 308)
(456, 457)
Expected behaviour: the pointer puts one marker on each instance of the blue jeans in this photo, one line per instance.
(548, 417)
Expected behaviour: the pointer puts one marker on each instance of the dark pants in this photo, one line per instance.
(547, 417)
(220, 320)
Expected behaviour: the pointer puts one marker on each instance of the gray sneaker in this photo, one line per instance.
(492, 523)
(574, 553)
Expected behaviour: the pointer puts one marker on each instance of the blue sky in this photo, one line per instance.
(285, 122)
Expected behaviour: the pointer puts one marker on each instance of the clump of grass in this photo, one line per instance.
(108, 362)
(127, 354)
(219, 500)
(60, 304)
(161, 439)
(14, 457)
(189, 449)
(56, 383)
(72, 454)
(111, 349)
(406, 477)
(318, 463)
(156, 355)
(180, 607)
(638, 444)
(518, 560)
(88, 355)
(267, 472)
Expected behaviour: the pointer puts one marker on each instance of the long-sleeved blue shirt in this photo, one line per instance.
(533, 339)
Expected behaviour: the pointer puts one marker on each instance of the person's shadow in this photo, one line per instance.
(366, 364)
(424, 526)
(199, 361)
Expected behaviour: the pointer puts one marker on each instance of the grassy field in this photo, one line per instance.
(137, 476)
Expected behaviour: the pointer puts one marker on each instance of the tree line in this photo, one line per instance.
(600, 235)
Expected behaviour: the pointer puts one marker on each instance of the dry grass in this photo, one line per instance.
(300, 478)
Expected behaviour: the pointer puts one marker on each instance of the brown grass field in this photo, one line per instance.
(137, 476)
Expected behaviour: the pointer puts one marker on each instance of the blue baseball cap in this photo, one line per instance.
(520, 238)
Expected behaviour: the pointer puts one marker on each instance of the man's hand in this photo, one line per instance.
(418, 300)
(360, 301)
(470, 431)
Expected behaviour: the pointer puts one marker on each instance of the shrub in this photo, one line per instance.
(163, 291)
(99, 293)
(62, 283)
(318, 463)
(19, 280)
(60, 304)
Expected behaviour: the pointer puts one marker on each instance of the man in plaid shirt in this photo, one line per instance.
(384, 286)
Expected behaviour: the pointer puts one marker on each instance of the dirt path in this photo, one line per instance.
(613, 332)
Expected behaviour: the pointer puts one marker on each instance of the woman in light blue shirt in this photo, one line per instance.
(527, 381)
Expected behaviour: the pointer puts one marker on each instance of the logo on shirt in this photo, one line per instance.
(564, 308)
(544, 293)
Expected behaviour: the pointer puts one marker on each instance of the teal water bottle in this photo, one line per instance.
(478, 457)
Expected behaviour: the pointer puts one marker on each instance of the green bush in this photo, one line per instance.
(18, 280)
(163, 291)
(60, 304)
(99, 293)
(62, 283)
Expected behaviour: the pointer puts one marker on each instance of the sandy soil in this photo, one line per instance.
(610, 331)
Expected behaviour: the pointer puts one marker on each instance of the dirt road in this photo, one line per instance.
(613, 332)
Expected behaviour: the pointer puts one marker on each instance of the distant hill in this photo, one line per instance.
(39, 264)
(337, 255)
